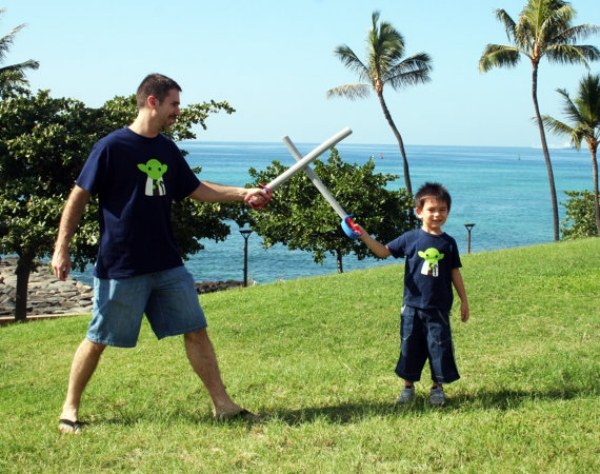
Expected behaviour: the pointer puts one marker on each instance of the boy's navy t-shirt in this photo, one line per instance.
(429, 261)
(136, 179)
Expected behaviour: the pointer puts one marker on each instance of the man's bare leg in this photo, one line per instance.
(203, 359)
(84, 364)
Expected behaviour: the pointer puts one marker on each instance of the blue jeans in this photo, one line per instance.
(168, 298)
(425, 334)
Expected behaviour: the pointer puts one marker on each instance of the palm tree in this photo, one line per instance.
(14, 74)
(384, 65)
(543, 29)
(584, 115)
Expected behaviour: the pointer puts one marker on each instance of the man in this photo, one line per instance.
(137, 172)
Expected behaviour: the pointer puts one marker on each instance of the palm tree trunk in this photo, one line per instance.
(593, 150)
(551, 182)
(390, 121)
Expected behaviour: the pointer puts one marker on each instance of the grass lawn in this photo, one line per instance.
(316, 357)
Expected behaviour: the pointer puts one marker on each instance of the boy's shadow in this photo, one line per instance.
(344, 413)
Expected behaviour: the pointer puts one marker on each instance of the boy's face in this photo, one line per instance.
(433, 214)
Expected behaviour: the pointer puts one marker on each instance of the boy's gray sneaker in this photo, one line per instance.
(436, 397)
(406, 395)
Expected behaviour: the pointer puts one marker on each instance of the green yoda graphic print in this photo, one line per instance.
(430, 266)
(155, 170)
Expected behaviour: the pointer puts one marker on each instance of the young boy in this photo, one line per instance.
(431, 269)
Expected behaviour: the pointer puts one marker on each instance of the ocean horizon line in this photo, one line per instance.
(564, 146)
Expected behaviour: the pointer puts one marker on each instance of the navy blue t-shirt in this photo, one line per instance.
(428, 267)
(136, 179)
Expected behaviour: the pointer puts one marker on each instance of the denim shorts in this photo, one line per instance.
(168, 299)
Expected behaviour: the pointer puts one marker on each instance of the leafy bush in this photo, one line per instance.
(580, 218)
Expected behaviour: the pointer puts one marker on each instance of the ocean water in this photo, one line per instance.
(502, 190)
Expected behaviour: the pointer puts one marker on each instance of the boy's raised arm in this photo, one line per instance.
(374, 245)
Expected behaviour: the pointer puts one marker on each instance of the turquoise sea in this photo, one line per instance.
(502, 190)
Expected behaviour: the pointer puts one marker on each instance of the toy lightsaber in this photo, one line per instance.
(348, 225)
(294, 169)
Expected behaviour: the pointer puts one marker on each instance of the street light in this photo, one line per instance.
(469, 229)
(245, 234)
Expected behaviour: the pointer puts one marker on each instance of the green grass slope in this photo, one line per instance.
(316, 356)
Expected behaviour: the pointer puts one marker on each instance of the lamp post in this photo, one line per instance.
(245, 234)
(469, 228)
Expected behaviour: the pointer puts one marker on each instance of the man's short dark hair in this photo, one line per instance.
(156, 85)
(432, 190)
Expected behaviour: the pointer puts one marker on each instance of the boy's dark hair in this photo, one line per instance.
(432, 190)
(157, 85)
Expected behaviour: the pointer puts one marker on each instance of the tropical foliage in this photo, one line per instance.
(583, 113)
(544, 29)
(12, 76)
(43, 145)
(300, 218)
(580, 215)
(384, 65)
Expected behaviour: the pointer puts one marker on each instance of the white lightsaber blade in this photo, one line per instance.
(298, 166)
(316, 180)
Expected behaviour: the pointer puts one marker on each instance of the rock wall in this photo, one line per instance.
(46, 294)
(210, 286)
(49, 296)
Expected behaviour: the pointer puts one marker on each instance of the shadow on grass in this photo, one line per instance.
(180, 416)
(503, 400)
(346, 413)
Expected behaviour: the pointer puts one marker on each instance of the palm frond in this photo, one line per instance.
(7, 40)
(556, 27)
(572, 54)
(583, 112)
(13, 73)
(556, 126)
(578, 32)
(539, 11)
(508, 22)
(350, 91)
(588, 99)
(413, 70)
(349, 59)
(570, 110)
(30, 64)
(498, 55)
(563, 15)
(526, 35)
(385, 47)
(375, 19)
(576, 135)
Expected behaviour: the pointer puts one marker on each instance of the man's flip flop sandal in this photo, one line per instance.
(70, 426)
(242, 415)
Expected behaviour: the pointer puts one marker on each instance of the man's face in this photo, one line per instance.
(167, 110)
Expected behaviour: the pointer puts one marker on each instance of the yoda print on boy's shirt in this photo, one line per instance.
(155, 170)
(430, 266)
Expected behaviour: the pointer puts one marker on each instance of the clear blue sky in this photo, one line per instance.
(273, 61)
